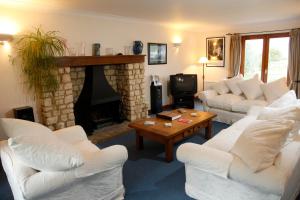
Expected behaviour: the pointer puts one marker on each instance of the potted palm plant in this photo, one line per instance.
(35, 53)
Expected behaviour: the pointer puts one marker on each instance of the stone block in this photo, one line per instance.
(68, 99)
(81, 74)
(66, 78)
(68, 86)
(71, 123)
(47, 102)
(64, 118)
(60, 125)
(67, 69)
(51, 120)
(61, 70)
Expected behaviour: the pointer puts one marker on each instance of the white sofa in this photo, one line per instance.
(213, 173)
(231, 104)
(100, 177)
(228, 107)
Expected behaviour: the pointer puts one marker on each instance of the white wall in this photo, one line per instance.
(117, 33)
(111, 33)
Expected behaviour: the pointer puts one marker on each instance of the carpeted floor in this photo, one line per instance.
(147, 176)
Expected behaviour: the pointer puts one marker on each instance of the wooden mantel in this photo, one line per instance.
(77, 61)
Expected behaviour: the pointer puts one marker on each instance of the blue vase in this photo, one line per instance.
(137, 47)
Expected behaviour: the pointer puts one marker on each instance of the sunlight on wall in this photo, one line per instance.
(7, 26)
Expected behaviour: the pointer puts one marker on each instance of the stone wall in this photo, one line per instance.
(57, 110)
(127, 80)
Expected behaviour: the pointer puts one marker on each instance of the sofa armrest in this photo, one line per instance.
(103, 160)
(205, 158)
(45, 182)
(207, 94)
(71, 134)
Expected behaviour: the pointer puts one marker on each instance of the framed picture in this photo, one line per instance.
(215, 51)
(157, 53)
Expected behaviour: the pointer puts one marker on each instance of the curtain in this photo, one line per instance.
(235, 55)
(294, 60)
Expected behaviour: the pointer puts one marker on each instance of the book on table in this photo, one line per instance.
(169, 115)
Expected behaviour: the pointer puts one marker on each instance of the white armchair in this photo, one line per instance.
(100, 177)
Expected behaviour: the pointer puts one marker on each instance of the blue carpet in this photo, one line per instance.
(147, 176)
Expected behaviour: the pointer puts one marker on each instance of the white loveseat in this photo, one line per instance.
(214, 173)
(100, 177)
(229, 102)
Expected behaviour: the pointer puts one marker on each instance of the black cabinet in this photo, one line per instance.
(156, 98)
(183, 101)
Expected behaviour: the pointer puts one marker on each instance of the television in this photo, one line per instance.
(182, 84)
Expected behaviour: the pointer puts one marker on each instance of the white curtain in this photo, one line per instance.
(294, 60)
(235, 55)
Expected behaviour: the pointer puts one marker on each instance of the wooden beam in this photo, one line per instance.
(77, 61)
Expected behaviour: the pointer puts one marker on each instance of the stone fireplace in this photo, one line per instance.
(125, 74)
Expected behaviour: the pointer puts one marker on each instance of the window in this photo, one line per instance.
(266, 55)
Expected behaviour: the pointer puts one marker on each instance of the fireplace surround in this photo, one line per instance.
(125, 74)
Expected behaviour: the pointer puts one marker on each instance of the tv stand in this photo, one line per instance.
(183, 101)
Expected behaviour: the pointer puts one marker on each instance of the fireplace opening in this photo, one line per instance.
(98, 104)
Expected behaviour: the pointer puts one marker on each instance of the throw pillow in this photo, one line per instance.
(232, 84)
(220, 87)
(274, 89)
(16, 127)
(251, 88)
(285, 100)
(45, 153)
(261, 142)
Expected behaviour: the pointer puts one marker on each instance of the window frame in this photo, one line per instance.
(265, 52)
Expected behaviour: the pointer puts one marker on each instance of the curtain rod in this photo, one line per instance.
(255, 32)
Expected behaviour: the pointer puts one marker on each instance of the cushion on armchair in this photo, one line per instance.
(37, 147)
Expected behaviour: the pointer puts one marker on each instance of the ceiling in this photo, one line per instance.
(185, 14)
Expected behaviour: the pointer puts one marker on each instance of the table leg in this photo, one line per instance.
(169, 150)
(208, 130)
(139, 141)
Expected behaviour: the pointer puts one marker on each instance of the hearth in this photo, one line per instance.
(124, 73)
(98, 103)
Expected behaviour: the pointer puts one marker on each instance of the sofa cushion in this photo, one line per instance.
(251, 88)
(232, 84)
(287, 99)
(220, 87)
(261, 142)
(275, 89)
(244, 106)
(224, 101)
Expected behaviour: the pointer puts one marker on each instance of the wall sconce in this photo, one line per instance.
(5, 38)
(177, 41)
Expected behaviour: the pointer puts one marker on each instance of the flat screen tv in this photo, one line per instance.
(183, 84)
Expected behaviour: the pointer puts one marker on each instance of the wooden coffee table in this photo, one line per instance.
(170, 135)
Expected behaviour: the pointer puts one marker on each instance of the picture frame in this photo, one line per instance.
(157, 53)
(215, 51)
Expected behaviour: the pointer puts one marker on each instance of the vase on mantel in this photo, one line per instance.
(137, 47)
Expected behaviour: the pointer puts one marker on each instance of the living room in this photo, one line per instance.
(124, 31)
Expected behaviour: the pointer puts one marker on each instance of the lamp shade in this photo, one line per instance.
(203, 60)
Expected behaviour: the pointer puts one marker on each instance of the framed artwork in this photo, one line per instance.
(215, 51)
(157, 53)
